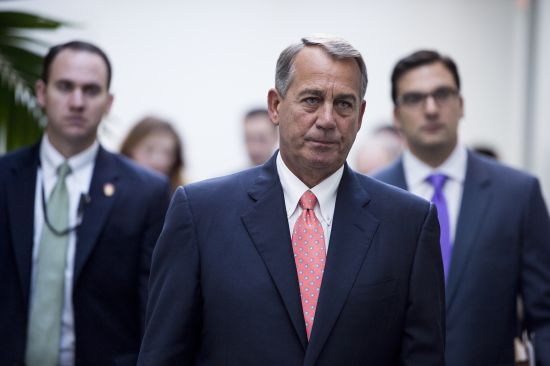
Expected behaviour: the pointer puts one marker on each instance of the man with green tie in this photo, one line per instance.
(77, 227)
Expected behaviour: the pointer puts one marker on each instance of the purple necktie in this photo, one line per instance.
(438, 181)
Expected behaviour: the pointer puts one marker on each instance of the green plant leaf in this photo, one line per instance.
(11, 38)
(13, 19)
(20, 67)
(17, 122)
(27, 63)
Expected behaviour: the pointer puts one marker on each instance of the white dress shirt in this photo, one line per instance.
(78, 183)
(454, 168)
(294, 188)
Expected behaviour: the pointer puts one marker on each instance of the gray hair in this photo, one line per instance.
(338, 48)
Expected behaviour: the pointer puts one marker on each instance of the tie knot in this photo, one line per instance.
(63, 170)
(308, 200)
(437, 180)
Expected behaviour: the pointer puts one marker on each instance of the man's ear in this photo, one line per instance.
(361, 114)
(40, 91)
(109, 104)
(273, 101)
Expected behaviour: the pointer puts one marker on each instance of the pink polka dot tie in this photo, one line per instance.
(308, 244)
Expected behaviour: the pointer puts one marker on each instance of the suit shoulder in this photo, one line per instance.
(208, 199)
(19, 156)
(385, 174)
(392, 174)
(17, 159)
(135, 172)
(391, 198)
(500, 173)
(395, 206)
(225, 185)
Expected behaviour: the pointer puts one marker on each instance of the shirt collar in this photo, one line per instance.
(294, 188)
(50, 158)
(416, 171)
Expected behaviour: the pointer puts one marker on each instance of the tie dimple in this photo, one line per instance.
(437, 181)
(308, 200)
(63, 170)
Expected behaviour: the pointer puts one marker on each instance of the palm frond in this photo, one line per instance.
(21, 118)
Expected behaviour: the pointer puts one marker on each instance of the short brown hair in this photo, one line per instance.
(417, 59)
(75, 46)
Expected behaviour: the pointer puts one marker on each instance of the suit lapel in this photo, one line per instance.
(20, 197)
(475, 199)
(97, 211)
(267, 225)
(351, 237)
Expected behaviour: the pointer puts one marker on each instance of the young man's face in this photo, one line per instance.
(75, 98)
(433, 123)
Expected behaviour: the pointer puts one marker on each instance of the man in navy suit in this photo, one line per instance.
(74, 293)
(497, 243)
(241, 274)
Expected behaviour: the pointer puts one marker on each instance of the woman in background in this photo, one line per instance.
(154, 143)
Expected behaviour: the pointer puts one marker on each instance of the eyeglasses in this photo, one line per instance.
(441, 96)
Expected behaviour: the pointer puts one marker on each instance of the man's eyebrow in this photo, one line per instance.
(71, 82)
(319, 93)
(346, 96)
(63, 81)
(315, 92)
(431, 90)
(92, 85)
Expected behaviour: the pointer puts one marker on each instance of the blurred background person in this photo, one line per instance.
(379, 150)
(155, 144)
(260, 136)
(495, 227)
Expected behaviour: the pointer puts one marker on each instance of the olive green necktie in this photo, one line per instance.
(46, 304)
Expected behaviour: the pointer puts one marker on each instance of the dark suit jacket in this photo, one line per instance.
(224, 288)
(114, 245)
(501, 248)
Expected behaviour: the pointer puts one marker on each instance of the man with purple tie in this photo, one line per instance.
(299, 261)
(495, 229)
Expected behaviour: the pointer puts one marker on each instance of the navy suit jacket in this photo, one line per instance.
(501, 249)
(113, 250)
(224, 288)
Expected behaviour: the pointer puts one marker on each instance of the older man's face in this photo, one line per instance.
(320, 115)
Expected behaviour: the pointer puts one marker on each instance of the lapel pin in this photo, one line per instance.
(108, 189)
